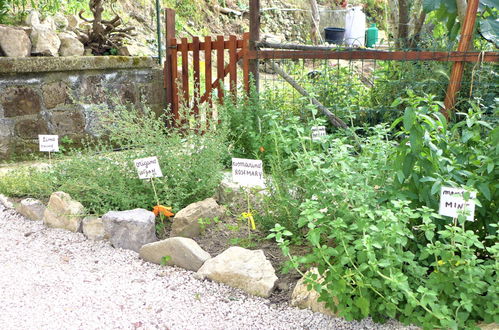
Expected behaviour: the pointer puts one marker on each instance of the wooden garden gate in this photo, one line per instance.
(180, 83)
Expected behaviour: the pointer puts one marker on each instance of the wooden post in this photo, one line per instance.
(246, 61)
(458, 67)
(254, 38)
(169, 80)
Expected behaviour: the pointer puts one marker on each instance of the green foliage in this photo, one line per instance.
(102, 180)
(376, 263)
(433, 153)
(4, 10)
(381, 251)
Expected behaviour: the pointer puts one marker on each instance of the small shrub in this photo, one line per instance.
(104, 180)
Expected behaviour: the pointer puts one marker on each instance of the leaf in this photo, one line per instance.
(416, 139)
(400, 176)
(484, 189)
(467, 134)
(431, 5)
(490, 167)
(314, 237)
(408, 164)
(409, 117)
(363, 304)
(489, 28)
(490, 3)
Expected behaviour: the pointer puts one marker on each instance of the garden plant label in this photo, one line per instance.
(452, 202)
(318, 132)
(247, 172)
(48, 143)
(148, 168)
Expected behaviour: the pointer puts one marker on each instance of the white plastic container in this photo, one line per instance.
(355, 27)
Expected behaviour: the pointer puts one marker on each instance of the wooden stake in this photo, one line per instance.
(456, 76)
(332, 118)
(254, 38)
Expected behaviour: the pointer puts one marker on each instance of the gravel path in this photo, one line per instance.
(55, 279)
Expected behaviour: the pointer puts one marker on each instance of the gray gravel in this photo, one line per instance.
(55, 279)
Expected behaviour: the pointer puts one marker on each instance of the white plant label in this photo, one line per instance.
(48, 143)
(148, 168)
(452, 202)
(247, 172)
(318, 132)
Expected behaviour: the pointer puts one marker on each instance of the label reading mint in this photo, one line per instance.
(48, 143)
(247, 172)
(318, 132)
(452, 203)
(148, 168)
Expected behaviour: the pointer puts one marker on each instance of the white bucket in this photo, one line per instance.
(355, 27)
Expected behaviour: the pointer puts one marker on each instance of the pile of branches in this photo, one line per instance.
(102, 36)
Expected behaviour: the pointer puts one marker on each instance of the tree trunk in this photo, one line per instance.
(403, 24)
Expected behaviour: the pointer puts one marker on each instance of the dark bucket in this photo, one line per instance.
(334, 35)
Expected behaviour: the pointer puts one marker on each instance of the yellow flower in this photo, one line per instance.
(440, 262)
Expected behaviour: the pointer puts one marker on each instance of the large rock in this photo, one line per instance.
(32, 19)
(73, 21)
(31, 208)
(130, 229)
(182, 252)
(93, 228)
(60, 21)
(185, 222)
(44, 42)
(7, 202)
(14, 42)
(70, 45)
(305, 299)
(240, 268)
(63, 212)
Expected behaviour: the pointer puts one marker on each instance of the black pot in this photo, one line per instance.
(334, 35)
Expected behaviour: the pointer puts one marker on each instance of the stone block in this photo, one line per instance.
(130, 229)
(248, 270)
(182, 252)
(186, 221)
(31, 208)
(20, 101)
(66, 122)
(54, 94)
(30, 128)
(63, 212)
(44, 42)
(305, 299)
(93, 228)
(14, 42)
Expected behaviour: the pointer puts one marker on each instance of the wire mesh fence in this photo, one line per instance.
(363, 91)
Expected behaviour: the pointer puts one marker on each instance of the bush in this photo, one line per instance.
(379, 244)
(434, 153)
(103, 180)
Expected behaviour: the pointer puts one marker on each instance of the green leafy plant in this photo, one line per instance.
(433, 153)
(103, 180)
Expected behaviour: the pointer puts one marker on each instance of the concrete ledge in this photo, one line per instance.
(72, 63)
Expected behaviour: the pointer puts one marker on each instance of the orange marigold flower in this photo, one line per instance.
(166, 211)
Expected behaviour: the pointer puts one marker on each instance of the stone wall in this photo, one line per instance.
(41, 95)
